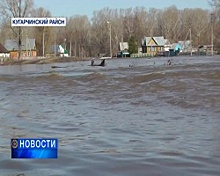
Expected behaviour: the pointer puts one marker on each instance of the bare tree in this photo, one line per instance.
(152, 21)
(4, 32)
(42, 34)
(76, 35)
(140, 23)
(200, 20)
(215, 3)
(100, 31)
(89, 38)
(10, 8)
(197, 20)
(128, 23)
(168, 22)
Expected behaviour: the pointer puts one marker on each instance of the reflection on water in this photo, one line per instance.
(149, 119)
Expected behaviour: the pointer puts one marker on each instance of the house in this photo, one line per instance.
(4, 53)
(186, 46)
(177, 47)
(174, 49)
(155, 45)
(63, 52)
(206, 50)
(28, 49)
(123, 50)
(123, 46)
(59, 50)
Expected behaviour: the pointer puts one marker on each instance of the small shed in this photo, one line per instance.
(123, 46)
(176, 47)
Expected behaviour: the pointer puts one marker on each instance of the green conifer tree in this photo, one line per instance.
(133, 48)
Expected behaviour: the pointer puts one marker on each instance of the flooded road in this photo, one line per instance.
(147, 119)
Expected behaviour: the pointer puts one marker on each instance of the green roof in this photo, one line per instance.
(65, 51)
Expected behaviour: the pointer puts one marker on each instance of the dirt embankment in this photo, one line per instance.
(45, 60)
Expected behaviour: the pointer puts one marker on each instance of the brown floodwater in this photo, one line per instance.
(144, 119)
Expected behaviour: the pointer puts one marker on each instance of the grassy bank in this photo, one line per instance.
(44, 61)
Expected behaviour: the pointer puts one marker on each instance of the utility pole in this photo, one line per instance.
(65, 43)
(190, 39)
(55, 47)
(19, 33)
(43, 42)
(122, 41)
(70, 46)
(73, 32)
(212, 40)
(110, 37)
(75, 48)
(212, 37)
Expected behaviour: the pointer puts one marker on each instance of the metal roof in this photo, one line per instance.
(27, 44)
(146, 40)
(160, 41)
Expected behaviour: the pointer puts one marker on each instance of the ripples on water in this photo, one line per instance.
(149, 119)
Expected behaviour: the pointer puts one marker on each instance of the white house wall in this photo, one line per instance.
(5, 55)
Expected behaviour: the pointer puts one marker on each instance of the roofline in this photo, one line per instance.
(24, 50)
(5, 52)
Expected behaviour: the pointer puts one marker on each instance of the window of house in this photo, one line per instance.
(152, 48)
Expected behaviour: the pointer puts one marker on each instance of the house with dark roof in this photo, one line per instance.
(4, 53)
(155, 45)
(28, 49)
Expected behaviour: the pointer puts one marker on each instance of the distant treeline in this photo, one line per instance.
(85, 37)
